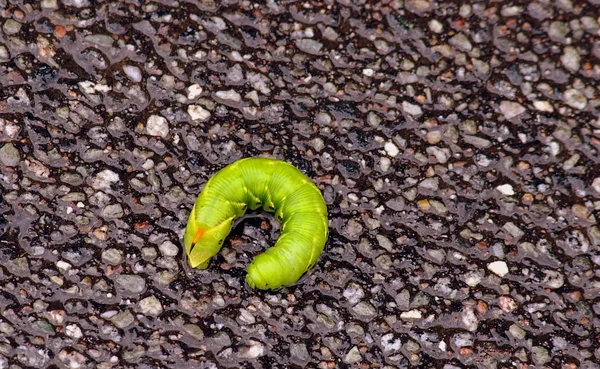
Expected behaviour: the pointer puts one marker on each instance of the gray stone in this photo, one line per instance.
(131, 283)
(9, 155)
(151, 306)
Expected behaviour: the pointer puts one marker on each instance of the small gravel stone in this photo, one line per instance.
(596, 184)
(73, 331)
(441, 154)
(134, 73)
(498, 267)
(571, 59)
(506, 189)
(411, 315)
(253, 351)
(309, 46)
(478, 142)
(231, 95)
(543, 105)
(157, 126)
(469, 319)
(112, 256)
(194, 331)
(461, 42)
(112, 211)
(507, 304)
(515, 231)
(104, 179)
(11, 27)
(553, 279)
(131, 283)
(168, 248)
(354, 293)
(473, 278)
(517, 332)
(365, 310)
(9, 155)
(151, 306)
(391, 149)
(511, 109)
(412, 109)
(330, 34)
(431, 184)
(299, 352)
(353, 356)
(194, 91)
(540, 355)
(436, 26)
(434, 137)
(390, 343)
(149, 253)
(575, 99)
(123, 319)
(197, 112)
(49, 4)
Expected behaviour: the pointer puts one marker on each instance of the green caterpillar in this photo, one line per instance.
(277, 187)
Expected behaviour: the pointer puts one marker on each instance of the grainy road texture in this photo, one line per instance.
(456, 144)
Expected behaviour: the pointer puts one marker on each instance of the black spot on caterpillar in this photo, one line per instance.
(276, 186)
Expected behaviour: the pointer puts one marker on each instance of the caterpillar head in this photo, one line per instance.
(203, 242)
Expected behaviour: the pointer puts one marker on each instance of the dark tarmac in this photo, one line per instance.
(456, 145)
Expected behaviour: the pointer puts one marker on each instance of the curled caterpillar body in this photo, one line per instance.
(277, 187)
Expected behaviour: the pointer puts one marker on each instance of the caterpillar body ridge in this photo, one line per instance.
(277, 187)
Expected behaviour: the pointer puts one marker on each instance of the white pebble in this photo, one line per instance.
(385, 164)
(506, 189)
(104, 179)
(197, 112)
(157, 126)
(411, 314)
(194, 91)
(511, 109)
(168, 248)
(391, 149)
(229, 95)
(63, 265)
(411, 109)
(436, 26)
(499, 268)
(596, 184)
(542, 105)
(73, 331)
(134, 73)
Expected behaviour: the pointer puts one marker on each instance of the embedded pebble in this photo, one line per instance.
(229, 95)
(506, 189)
(411, 109)
(575, 99)
(168, 248)
(9, 155)
(498, 267)
(104, 179)
(134, 73)
(511, 109)
(197, 112)
(131, 283)
(353, 356)
(391, 149)
(150, 306)
(157, 126)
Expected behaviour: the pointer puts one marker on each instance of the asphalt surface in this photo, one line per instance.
(456, 146)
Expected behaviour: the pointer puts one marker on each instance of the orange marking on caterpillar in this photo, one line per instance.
(199, 234)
